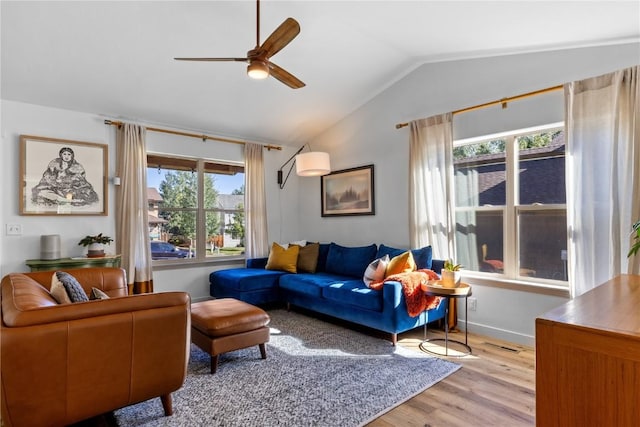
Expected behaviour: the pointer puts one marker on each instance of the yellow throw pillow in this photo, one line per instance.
(283, 259)
(402, 263)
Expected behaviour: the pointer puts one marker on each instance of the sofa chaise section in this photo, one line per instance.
(254, 284)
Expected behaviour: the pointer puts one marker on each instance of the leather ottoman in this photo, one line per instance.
(227, 324)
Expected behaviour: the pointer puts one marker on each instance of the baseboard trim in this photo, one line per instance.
(498, 333)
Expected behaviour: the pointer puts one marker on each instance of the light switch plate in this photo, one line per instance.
(14, 229)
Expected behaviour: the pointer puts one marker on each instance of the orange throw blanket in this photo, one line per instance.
(417, 300)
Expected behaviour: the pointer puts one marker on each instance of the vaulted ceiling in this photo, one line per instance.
(115, 58)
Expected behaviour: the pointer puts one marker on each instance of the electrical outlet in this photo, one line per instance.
(473, 303)
(14, 229)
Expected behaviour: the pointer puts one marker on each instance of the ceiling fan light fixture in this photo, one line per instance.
(258, 70)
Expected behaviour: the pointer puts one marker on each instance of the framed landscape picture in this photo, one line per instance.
(62, 177)
(348, 192)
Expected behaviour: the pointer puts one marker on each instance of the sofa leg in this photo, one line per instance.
(394, 339)
(263, 350)
(214, 364)
(288, 306)
(167, 404)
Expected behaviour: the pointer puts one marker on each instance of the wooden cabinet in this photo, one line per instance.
(588, 358)
(79, 262)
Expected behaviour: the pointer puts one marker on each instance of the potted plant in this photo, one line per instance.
(451, 274)
(636, 246)
(95, 245)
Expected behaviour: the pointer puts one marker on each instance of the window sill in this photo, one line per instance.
(518, 285)
(194, 263)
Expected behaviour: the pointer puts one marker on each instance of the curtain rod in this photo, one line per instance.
(194, 135)
(502, 101)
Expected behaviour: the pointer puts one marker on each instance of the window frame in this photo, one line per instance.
(511, 210)
(202, 166)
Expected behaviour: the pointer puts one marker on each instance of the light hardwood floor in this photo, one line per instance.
(494, 387)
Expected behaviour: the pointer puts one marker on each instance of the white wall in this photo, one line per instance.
(26, 119)
(369, 135)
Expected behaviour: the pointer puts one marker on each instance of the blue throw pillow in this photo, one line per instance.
(322, 257)
(388, 250)
(72, 286)
(422, 256)
(350, 261)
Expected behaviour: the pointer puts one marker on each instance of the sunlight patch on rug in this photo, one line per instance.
(316, 373)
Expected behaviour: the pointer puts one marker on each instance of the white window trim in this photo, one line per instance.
(502, 135)
(511, 277)
(201, 212)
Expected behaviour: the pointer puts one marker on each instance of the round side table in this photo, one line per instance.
(462, 291)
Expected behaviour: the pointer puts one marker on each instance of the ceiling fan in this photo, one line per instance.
(258, 58)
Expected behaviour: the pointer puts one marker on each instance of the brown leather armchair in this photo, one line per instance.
(61, 364)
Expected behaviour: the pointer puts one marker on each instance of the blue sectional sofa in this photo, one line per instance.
(336, 288)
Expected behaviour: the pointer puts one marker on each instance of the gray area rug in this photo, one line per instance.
(316, 374)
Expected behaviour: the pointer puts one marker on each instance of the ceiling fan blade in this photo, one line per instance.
(213, 59)
(281, 37)
(285, 77)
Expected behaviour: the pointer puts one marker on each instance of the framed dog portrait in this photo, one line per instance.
(62, 177)
(348, 192)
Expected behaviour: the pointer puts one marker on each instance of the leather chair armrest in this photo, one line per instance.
(96, 308)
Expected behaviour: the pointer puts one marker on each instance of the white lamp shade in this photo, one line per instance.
(314, 163)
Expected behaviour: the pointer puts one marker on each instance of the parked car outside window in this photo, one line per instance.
(165, 250)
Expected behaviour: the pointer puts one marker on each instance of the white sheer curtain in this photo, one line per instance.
(431, 195)
(603, 176)
(467, 194)
(256, 240)
(132, 219)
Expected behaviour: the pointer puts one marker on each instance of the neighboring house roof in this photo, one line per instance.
(153, 195)
(229, 202)
(541, 175)
(155, 220)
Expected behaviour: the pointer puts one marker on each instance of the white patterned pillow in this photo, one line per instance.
(301, 243)
(58, 291)
(97, 294)
(375, 270)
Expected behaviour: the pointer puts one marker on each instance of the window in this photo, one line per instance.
(196, 208)
(511, 204)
